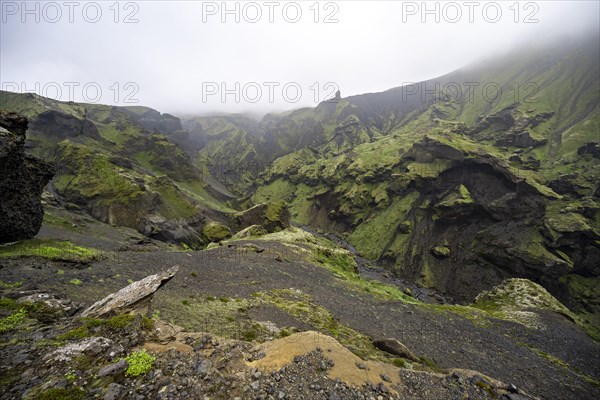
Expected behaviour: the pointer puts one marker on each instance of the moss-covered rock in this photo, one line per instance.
(215, 231)
(517, 299)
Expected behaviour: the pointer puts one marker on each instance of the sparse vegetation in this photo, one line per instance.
(12, 321)
(51, 249)
(73, 393)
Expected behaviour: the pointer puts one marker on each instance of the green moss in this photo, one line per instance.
(487, 387)
(95, 177)
(399, 362)
(196, 190)
(140, 363)
(514, 299)
(6, 285)
(279, 189)
(460, 196)
(57, 221)
(8, 304)
(275, 211)
(441, 251)
(116, 324)
(174, 203)
(119, 322)
(75, 282)
(78, 333)
(50, 249)
(13, 320)
(374, 235)
(585, 291)
(73, 393)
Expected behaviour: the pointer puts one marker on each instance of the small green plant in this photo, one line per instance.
(75, 282)
(70, 376)
(140, 363)
(130, 281)
(185, 302)
(284, 333)
(11, 322)
(60, 272)
(194, 274)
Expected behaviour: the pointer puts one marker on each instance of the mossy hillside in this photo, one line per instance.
(196, 190)
(123, 193)
(373, 236)
(113, 176)
(90, 174)
(162, 157)
(59, 220)
(31, 104)
(232, 160)
(173, 203)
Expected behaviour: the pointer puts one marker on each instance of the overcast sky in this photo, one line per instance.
(194, 57)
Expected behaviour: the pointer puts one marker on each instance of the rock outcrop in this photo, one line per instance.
(23, 178)
(272, 216)
(393, 346)
(131, 297)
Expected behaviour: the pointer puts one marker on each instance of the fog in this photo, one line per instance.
(256, 57)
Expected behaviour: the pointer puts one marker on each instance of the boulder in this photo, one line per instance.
(393, 346)
(23, 178)
(131, 297)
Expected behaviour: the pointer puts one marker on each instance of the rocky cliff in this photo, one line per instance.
(22, 180)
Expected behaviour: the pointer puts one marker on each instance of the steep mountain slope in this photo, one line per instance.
(118, 165)
(455, 191)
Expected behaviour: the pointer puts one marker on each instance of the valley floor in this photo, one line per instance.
(256, 290)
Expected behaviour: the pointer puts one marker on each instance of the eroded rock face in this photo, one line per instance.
(63, 125)
(271, 216)
(23, 178)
